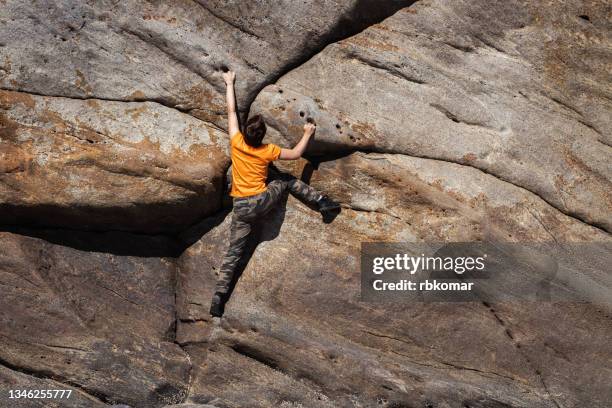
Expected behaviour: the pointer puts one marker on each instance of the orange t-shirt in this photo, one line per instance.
(250, 166)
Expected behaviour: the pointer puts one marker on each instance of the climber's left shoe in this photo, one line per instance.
(218, 304)
(326, 204)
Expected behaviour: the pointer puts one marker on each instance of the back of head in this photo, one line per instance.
(255, 131)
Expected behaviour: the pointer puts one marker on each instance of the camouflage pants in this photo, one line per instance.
(247, 210)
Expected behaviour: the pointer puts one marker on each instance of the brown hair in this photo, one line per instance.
(255, 131)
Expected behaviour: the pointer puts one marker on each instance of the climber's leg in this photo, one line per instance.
(311, 196)
(308, 194)
(239, 233)
(280, 182)
(303, 191)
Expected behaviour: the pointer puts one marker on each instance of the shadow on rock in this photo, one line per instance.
(113, 242)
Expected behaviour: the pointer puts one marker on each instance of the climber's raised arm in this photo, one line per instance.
(298, 150)
(232, 118)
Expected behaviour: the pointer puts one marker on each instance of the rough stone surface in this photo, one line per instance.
(168, 52)
(155, 169)
(99, 322)
(195, 406)
(508, 87)
(106, 165)
(450, 121)
(14, 380)
(296, 332)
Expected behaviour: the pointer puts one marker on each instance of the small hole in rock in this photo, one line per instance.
(224, 68)
(585, 17)
(302, 114)
(337, 126)
(280, 91)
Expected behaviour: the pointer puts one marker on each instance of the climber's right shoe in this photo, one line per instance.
(326, 204)
(217, 305)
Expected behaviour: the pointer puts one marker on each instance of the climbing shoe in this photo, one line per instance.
(217, 305)
(326, 204)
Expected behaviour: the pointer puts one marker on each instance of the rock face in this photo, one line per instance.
(155, 169)
(97, 323)
(449, 121)
(454, 81)
(296, 330)
(106, 165)
(170, 53)
(13, 380)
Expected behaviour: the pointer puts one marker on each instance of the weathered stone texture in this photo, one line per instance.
(512, 88)
(106, 165)
(95, 321)
(448, 121)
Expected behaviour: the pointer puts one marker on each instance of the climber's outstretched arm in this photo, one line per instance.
(298, 150)
(232, 118)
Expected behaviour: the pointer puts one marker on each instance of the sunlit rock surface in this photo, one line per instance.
(106, 165)
(516, 89)
(448, 121)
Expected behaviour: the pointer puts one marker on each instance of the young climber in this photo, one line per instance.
(252, 198)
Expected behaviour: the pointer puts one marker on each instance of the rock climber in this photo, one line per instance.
(252, 197)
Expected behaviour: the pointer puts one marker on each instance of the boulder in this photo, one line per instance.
(107, 162)
(172, 53)
(296, 330)
(448, 122)
(98, 323)
(509, 87)
(106, 165)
